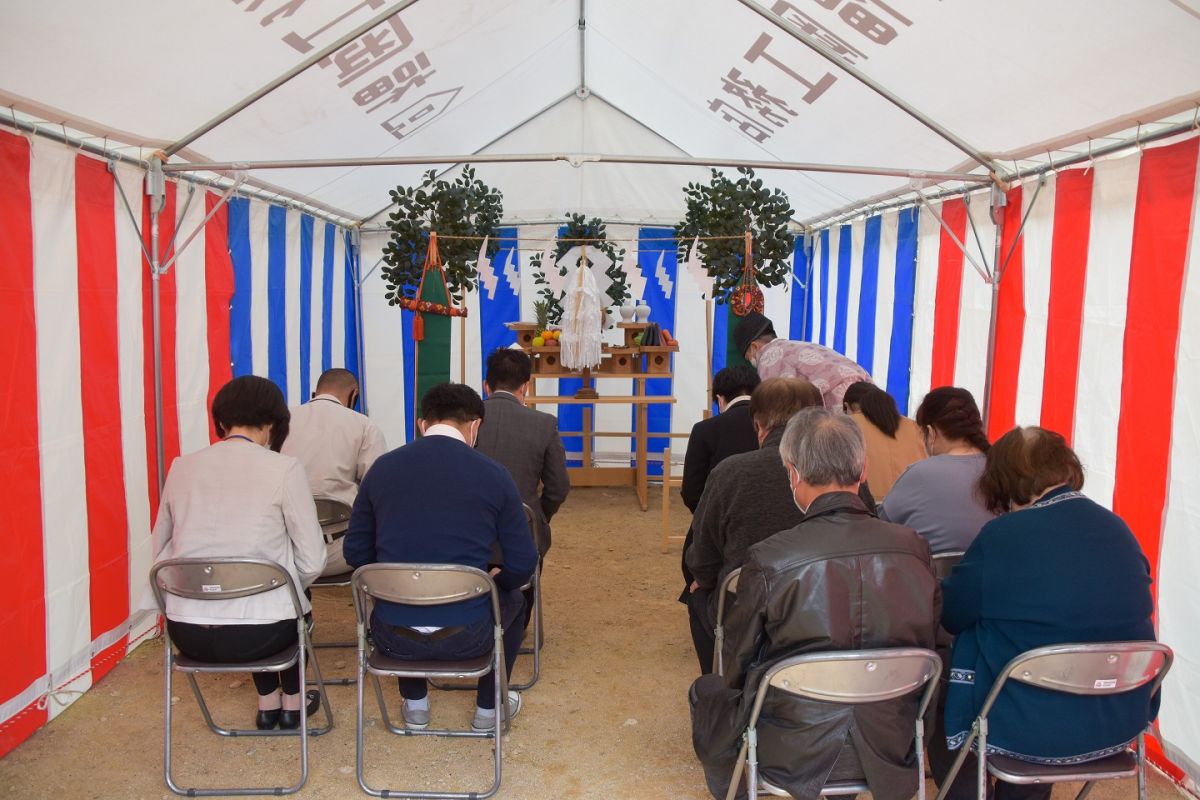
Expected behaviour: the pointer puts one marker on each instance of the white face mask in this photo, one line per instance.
(793, 482)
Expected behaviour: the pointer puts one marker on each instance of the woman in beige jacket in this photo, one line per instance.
(893, 442)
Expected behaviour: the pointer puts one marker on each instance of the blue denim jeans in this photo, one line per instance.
(467, 641)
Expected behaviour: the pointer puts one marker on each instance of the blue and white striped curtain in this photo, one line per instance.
(294, 309)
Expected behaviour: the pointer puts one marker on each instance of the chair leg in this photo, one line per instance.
(718, 645)
(981, 760)
(919, 746)
(536, 650)
(736, 778)
(1085, 791)
(1141, 765)
(947, 780)
(752, 764)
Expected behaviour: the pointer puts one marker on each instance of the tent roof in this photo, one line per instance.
(700, 78)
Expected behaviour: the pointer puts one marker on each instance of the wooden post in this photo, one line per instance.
(665, 545)
(462, 346)
(708, 345)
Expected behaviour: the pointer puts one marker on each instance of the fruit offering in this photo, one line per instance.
(539, 341)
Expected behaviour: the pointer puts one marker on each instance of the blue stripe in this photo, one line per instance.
(505, 306)
(824, 287)
(241, 345)
(720, 341)
(306, 255)
(843, 291)
(653, 244)
(801, 324)
(900, 360)
(327, 299)
(410, 376)
(277, 298)
(868, 294)
(350, 303)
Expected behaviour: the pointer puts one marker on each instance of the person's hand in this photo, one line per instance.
(693, 587)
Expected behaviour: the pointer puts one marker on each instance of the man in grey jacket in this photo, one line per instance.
(746, 499)
(525, 441)
(840, 580)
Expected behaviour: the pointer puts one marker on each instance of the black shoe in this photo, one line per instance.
(290, 720)
(267, 720)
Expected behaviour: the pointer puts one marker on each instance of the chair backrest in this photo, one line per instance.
(218, 579)
(855, 676)
(422, 585)
(1094, 669)
(944, 563)
(334, 516)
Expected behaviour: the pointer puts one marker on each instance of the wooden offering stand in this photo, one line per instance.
(629, 360)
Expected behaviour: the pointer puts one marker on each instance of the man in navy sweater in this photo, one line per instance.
(438, 500)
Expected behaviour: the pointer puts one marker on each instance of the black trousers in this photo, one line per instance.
(454, 644)
(941, 758)
(236, 643)
(702, 617)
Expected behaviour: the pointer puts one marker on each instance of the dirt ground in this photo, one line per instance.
(608, 719)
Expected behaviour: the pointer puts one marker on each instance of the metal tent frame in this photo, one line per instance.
(993, 175)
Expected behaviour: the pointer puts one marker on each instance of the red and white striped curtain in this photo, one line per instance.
(77, 439)
(1098, 338)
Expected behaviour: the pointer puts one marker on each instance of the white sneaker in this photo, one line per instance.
(486, 722)
(415, 719)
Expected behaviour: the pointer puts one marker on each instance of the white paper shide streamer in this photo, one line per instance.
(581, 319)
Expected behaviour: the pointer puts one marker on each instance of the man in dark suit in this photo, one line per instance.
(524, 440)
(714, 439)
(437, 500)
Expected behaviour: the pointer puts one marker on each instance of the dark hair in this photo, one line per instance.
(451, 402)
(337, 379)
(736, 381)
(507, 369)
(1023, 464)
(251, 401)
(776, 400)
(876, 405)
(955, 415)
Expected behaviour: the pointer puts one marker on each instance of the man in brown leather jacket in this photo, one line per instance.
(840, 580)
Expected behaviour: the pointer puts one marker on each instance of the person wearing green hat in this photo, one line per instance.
(830, 371)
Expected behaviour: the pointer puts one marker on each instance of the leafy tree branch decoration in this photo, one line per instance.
(579, 227)
(729, 208)
(466, 207)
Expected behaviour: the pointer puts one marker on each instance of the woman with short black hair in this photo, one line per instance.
(1054, 568)
(239, 498)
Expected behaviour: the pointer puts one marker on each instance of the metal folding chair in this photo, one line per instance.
(334, 517)
(426, 585)
(535, 583)
(849, 677)
(226, 579)
(944, 563)
(729, 586)
(1098, 669)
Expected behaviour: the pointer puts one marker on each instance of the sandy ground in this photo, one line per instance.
(608, 719)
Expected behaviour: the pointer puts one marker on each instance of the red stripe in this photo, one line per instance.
(949, 294)
(167, 325)
(218, 280)
(1161, 227)
(22, 590)
(1068, 280)
(1010, 323)
(108, 527)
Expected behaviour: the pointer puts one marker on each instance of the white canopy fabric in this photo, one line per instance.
(920, 93)
(710, 77)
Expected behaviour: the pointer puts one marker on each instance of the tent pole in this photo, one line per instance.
(575, 160)
(823, 50)
(582, 91)
(156, 190)
(998, 201)
(320, 55)
(356, 262)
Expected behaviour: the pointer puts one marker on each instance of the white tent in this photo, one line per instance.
(1054, 142)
